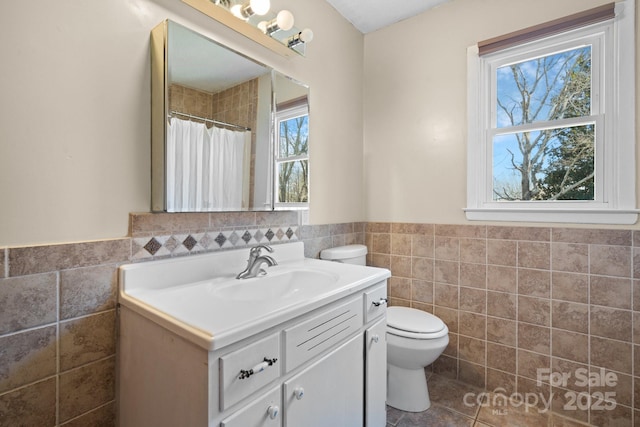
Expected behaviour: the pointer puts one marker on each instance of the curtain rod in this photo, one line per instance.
(216, 122)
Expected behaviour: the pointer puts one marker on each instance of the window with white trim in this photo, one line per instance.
(292, 156)
(551, 134)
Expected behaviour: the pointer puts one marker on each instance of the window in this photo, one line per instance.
(292, 157)
(551, 126)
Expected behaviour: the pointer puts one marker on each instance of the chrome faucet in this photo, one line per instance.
(255, 261)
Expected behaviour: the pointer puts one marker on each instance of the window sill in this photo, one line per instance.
(577, 216)
(291, 206)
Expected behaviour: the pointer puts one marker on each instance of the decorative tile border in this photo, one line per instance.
(149, 247)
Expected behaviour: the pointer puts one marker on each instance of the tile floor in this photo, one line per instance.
(448, 409)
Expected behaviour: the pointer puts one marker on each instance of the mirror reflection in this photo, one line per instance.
(215, 117)
(213, 101)
(212, 134)
(292, 143)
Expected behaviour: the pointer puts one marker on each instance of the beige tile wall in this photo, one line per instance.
(514, 298)
(190, 101)
(57, 333)
(517, 299)
(237, 105)
(58, 308)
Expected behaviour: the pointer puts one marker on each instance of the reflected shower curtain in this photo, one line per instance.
(204, 167)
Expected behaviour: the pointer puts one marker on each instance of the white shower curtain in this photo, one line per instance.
(204, 167)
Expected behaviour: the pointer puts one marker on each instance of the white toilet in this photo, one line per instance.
(415, 339)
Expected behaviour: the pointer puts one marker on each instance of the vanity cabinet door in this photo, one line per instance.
(375, 380)
(329, 392)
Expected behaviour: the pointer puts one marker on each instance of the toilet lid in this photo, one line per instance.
(412, 320)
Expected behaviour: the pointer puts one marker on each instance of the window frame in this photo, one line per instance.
(285, 114)
(613, 112)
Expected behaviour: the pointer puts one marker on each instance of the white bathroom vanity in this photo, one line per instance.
(302, 346)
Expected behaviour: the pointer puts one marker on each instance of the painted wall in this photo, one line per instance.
(75, 148)
(415, 104)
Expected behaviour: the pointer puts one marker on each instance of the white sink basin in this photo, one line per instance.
(288, 284)
(199, 298)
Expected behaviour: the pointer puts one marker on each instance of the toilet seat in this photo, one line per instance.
(417, 324)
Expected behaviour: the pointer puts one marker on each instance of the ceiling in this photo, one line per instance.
(192, 57)
(371, 15)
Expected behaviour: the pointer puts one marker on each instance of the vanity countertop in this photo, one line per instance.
(199, 298)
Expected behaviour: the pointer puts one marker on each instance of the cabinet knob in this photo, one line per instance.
(273, 411)
(375, 338)
(298, 393)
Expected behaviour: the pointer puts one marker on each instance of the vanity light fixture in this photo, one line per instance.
(254, 7)
(239, 17)
(283, 21)
(303, 36)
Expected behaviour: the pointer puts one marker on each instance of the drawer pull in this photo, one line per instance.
(379, 303)
(256, 369)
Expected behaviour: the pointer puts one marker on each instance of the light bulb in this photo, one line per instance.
(285, 20)
(260, 7)
(306, 35)
(236, 10)
(262, 26)
(303, 36)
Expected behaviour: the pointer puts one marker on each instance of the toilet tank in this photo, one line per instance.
(350, 254)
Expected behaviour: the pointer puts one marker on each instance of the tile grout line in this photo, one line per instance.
(634, 384)
(458, 301)
(517, 317)
(486, 314)
(58, 308)
(589, 247)
(551, 265)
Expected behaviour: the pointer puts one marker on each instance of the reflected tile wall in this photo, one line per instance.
(190, 101)
(58, 306)
(519, 299)
(237, 105)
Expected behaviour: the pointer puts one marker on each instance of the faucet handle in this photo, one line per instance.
(256, 249)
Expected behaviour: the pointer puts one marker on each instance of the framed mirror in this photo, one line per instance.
(212, 125)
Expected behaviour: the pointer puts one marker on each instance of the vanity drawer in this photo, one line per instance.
(313, 336)
(264, 411)
(234, 385)
(375, 302)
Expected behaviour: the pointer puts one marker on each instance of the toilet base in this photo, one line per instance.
(407, 389)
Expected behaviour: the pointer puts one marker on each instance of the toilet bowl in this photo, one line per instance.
(415, 339)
